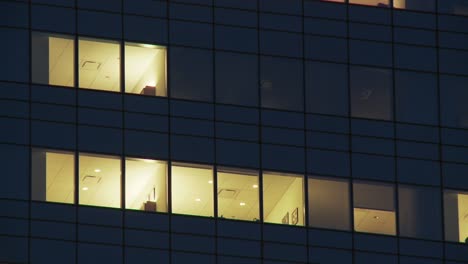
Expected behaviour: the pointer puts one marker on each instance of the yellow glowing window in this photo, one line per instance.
(53, 176)
(99, 64)
(53, 59)
(374, 208)
(238, 194)
(456, 216)
(145, 185)
(145, 69)
(283, 198)
(99, 180)
(192, 189)
(379, 3)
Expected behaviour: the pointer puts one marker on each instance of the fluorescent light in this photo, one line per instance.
(84, 188)
(255, 186)
(210, 182)
(97, 170)
(197, 199)
(242, 204)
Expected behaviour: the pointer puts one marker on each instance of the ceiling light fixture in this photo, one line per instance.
(242, 204)
(376, 217)
(97, 170)
(197, 199)
(210, 182)
(85, 188)
(255, 186)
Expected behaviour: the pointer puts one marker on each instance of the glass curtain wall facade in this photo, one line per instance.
(227, 131)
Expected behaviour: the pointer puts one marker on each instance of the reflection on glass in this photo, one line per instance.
(192, 189)
(53, 176)
(371, 93)
(329, 205)
(422, 5)
(99, 180)
(283, 198)
(456, 216)
(145, 185)
(145, 69)
(99, 64)
(52, 59)
(378, 3)
(238, 194)
(374, 208)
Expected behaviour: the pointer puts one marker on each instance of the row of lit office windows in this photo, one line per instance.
(380, 208)
(456, 7)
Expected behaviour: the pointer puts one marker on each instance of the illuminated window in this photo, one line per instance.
(422, 5)
(238, 194)
(329, 205)
(99, 64)
(283, 198)
(374, 208)
(145, 185)
(53, 59)
(53, 176)
(192, 189)
(456, 216)
(379, 3)
(99, 180)
(145, 69)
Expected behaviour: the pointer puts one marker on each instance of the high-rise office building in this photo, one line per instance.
(234, 131)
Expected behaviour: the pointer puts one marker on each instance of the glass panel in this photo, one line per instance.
(99, 64)
(419, 212)
(329, 205)
(453, 97)
(456, 216)
(53, 177)
(379, 3)
(236, 79)
(374, 208)
(455, 7)
(145, 69)
(283, 198)
(53, 59)
(371, 93)
(281, 83)
(146, 185)
(422, 5)
(192, 189)
(99, 180)
(238, 194)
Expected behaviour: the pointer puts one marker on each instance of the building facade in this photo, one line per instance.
(234, 131)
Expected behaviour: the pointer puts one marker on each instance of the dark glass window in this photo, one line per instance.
(371, 93)
(281, 83)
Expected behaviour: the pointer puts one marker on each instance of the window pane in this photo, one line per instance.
(238, 194)
(422, 5)
(236, 79)
(455, 7)
(53, 59)
(379, 3)
(99, 64)
(329, 205)
(283, 198)
(453, 93)
(281, 83)
(192, 189)
(53, 176)
(146, 185)
(455, 215)
(326, 88)
(374, 208)
(145, 69)
(191, 74)
(99, 180)
(371, 93)
(419, 212)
